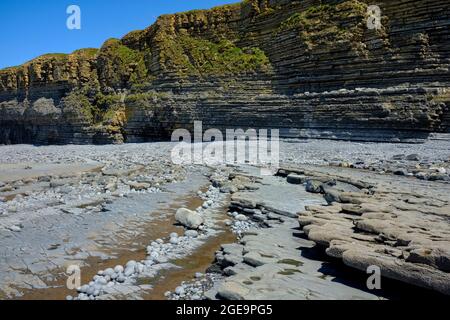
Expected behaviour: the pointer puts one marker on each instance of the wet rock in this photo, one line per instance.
(401, 172)
(314, 186)
(413, 157)
(332, 195)
(438, 177)
(399, 157)
(295, 179)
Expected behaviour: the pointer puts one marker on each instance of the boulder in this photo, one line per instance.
(436, 257)
(139, 186)
(232, 290)
(416, 274)
(189, 218)
(295, 179)
(314, 186)
(413, 157)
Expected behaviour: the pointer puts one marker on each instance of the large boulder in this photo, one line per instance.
(189, 218)
(295, 179)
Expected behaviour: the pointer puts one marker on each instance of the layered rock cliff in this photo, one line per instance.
(310, 68)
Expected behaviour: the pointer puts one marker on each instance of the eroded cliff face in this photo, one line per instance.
(310, 68)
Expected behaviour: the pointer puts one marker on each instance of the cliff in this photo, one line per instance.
(310, 68)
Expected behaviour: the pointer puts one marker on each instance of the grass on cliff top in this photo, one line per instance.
(213, 10)
(193, 56)
(88, 53)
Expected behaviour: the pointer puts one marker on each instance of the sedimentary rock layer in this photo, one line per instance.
(309, 68)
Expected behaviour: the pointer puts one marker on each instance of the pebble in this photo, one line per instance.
(101, 281)
(154, 255)
(118, 269)
(191, 234)
(109, 272)
(161, 259)
(129, 270)
(179, 290)
(140, 268)
(15, 228)
(442, 170)
(241, 217)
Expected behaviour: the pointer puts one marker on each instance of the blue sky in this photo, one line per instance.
(31, 28)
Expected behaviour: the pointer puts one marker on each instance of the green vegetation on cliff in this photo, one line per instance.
(200, 57)
(329, 23)
(122, 65)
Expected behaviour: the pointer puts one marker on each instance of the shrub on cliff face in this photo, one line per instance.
(144, 100)
(99, 110)
(120, 65)
(201, 57)
(105, 102)
(76, 106)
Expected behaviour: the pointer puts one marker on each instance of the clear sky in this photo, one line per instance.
(30, 28)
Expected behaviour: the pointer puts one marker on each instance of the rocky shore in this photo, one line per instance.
(141, 227)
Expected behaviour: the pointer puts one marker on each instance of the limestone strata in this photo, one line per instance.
(386, 224)
(310, 68)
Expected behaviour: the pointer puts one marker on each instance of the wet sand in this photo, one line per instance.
(159, 228)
